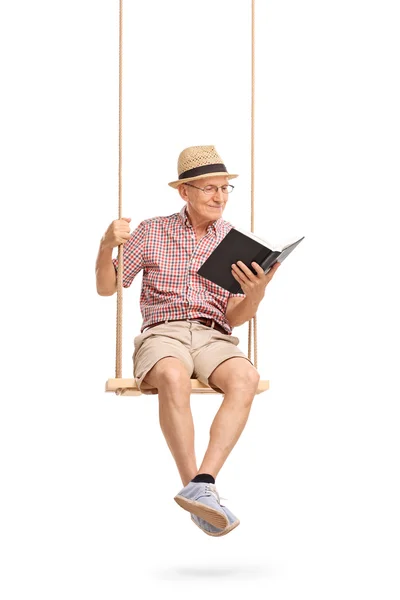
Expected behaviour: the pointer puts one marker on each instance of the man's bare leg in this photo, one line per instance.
(239, 380)
(173, 383)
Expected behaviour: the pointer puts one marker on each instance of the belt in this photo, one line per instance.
(208, 322)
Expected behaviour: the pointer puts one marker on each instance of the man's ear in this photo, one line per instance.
(183, 192)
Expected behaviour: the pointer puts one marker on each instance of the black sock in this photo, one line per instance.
(204, 477)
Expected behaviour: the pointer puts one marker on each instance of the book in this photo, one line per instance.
(245, 246)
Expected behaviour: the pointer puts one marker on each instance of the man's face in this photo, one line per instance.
(202, 206)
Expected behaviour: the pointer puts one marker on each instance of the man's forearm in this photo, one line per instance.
(106, 278)
(243, 312)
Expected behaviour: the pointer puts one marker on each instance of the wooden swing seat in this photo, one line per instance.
(128, 387)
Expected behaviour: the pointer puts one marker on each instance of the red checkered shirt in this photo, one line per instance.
(165, 248)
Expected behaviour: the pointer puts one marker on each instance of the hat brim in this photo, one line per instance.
(176, 184)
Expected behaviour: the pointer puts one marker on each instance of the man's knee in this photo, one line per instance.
(169, 373)
(246, 379)
(236, 374)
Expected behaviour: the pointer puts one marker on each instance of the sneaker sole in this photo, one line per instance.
(212, 516)
(219, 533)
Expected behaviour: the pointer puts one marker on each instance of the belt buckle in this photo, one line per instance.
(208, 322)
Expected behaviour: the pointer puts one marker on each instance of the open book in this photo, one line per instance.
(245, 246)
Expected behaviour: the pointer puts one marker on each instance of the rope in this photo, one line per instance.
(253, 321)
(118, 360)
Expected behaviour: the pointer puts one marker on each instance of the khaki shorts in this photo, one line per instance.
(199, 348)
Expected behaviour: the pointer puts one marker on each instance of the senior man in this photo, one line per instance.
(187, 325)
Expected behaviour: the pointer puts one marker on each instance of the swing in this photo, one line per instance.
(127, 386)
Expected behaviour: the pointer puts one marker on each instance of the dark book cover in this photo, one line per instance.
(239, 245)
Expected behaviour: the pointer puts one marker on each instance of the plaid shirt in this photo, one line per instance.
(165, 248)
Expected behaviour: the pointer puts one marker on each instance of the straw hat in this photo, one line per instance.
(198, 162)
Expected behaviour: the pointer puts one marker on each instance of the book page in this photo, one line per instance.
(269, 245)
(250, 234)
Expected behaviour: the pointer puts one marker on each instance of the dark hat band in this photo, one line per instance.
(204, 170)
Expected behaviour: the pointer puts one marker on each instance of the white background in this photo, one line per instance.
(87, 481)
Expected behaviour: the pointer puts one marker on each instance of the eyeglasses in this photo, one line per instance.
(213, 189)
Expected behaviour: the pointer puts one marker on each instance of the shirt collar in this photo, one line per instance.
(216, 225)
